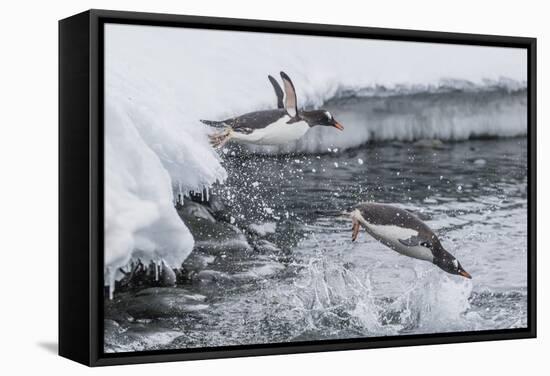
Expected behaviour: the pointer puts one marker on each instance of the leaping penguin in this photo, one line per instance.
(404, 233)
(272, 127)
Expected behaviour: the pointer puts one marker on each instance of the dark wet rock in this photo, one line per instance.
(160, 275)
(222, 238)
(113, 312)
(112, 332)
(262, 229)
(212, 276)
(193, 264)
(112, 326)
(163, 302)
(167, 276)
(137, 337)
(151, 303)
(429, 143)
(266, 247)
(136, 277)
(153, 275)
(167, 291)
(397, 144)
(218, 208)
(215, 206)
(195, 212)
(260, 271)
(222, 246)
(211, 236)
(252, 273)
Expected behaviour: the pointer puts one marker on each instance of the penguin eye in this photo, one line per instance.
(426, 244)
(455, 263)
(329, 115)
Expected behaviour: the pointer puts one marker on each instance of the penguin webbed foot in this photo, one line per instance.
(355, 231)
(218, 140)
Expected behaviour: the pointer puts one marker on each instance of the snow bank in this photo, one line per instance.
(140, 220)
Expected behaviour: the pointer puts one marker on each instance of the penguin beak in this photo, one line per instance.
(464, 273)
(338, 126)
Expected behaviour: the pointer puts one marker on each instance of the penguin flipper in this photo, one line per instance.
(294, 120)
(278, 91)
(413, 241)
(291, 103)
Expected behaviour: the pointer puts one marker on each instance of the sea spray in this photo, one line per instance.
(436, 302)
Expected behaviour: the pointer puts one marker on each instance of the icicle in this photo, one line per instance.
(111, 284)
(207, 193)
(156, 271)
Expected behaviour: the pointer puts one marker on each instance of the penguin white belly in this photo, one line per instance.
(275, 134)
(389, 235)
(417, 251)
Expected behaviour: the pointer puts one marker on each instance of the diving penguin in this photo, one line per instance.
(272, 127)
(404, 233)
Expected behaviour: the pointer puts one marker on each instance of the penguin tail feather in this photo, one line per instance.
(214, 123)
(339, 214)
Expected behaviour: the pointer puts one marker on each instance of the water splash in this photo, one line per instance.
(435, 303)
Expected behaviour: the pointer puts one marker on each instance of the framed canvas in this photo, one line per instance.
(237, 187)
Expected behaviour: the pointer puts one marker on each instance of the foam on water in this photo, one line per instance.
(435, 303)
(334, 296)
(327, 293)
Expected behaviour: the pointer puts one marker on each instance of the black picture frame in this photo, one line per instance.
(81, 186)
